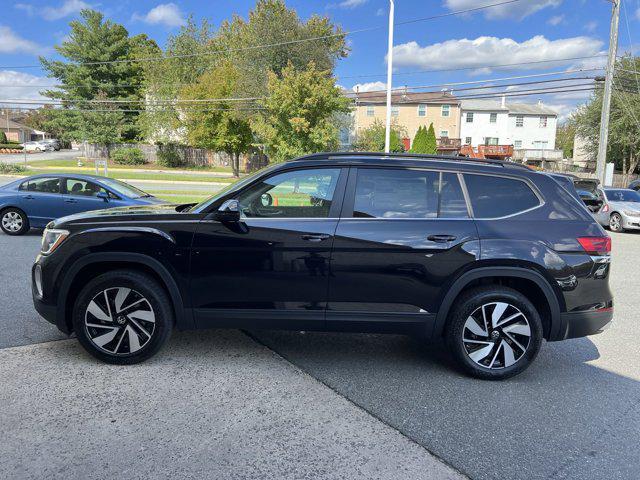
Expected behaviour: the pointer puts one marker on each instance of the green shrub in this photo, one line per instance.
(13, 146)
(3, 137)
(169, 156)
(128, 156)
(11, 168)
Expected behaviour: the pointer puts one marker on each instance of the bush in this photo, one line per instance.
(128, 156)
(11, 168)
(169, 156)
(3, 137)
(12, 146)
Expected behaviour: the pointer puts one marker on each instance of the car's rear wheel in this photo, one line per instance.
(494, 332)
(123, 317)
(615, 222)
(14, 221)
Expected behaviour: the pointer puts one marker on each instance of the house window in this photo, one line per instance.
(517, 144)
(519, 120)
(445, 110)
(467, 141)
(491, 141)
(395, 111)
(541, 144)
(370, 111)
(422, 110)
(469, 117)
(543, 122)
(493, 118)
(444, 133)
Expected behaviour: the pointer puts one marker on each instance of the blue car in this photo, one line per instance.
(34, 201)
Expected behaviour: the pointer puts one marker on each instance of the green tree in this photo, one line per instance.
(81, 83)
(224, 126)
(624, 142)
(298, 113)
(430, 142)
(419, 144)
(372, 139)
(565, 136)
(3, 137)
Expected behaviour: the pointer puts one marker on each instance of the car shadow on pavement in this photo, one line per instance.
(562, 418)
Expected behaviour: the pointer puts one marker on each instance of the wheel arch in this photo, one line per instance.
(515, 275)
(90, 265)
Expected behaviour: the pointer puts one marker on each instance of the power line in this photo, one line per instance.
(278, 44)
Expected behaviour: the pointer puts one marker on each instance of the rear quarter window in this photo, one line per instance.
(495, 197)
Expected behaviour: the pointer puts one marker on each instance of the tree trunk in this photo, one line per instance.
(235, 164)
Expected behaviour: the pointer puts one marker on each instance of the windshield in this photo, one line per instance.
(124, 189)
(202, 206)
(622, 195)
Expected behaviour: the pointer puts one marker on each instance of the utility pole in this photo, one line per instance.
(608, 87)
(387, 135)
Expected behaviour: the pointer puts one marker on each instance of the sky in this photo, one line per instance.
(464, 48)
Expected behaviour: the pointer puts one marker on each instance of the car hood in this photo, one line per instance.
(118, 213)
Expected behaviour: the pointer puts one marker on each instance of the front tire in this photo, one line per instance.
(615, 223)
(14, 221)
(494, 332)
(123, 317)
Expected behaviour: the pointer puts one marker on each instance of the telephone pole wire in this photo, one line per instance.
(608, 88)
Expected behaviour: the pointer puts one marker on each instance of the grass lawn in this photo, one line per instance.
(180, 198)
(89, 165)
(114, 173)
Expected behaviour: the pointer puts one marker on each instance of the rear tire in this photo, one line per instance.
(494, 332)
(14, 221)
(615, 223)
(123, 317)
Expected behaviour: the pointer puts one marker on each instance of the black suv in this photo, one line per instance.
(488, 255)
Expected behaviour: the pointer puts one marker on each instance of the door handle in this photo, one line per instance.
(441, 238)
(315, 237)
(71, 200)
(28, 197)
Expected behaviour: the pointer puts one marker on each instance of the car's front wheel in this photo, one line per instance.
(615, 223)
(123, 317)
(494, 332)
(14, 221)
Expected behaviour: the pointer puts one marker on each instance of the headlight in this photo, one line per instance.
(51, 239)
(631, 213)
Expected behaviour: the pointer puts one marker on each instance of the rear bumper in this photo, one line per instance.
(581, 324)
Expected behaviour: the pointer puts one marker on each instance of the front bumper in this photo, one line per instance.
(582, 324)
(630, 223)
(50, 312)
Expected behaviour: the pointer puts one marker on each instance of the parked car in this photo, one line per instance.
(37, 146)
(634, 185)
(487, 255)
(35, 201)
(621, 210)
(585, 189)
(54, 142)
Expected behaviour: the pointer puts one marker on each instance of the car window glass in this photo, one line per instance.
(83, 188)
(42, 185)
(494, 197)
(452, 202)
(296, 194)
(623, 196)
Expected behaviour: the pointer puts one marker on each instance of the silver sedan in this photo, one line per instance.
(621, 209)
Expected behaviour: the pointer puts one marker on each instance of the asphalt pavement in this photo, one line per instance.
(218, 398)
(34, 157)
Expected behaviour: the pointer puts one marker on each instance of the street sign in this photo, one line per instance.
(102, 164)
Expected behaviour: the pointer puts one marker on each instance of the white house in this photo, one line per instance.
(498, 122)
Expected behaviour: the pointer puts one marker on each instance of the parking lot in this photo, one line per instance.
(308, 405)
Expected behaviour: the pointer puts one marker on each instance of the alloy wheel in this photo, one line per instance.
(12, 221)
(496, 335)
(119, 321)
(615, 222)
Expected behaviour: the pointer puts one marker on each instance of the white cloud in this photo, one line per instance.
(168, 14)
(369, 86)
(517, 10)
(351, 3)
(69, 7)
(556, 20)
(484, 51)
(10, 42)
(28, 88)
(591, 26)
(380, 12)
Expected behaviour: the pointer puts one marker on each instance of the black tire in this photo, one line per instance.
(120, 350)
(17, 215)
(615, 222)
(470, 304)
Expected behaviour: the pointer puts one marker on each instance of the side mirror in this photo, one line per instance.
(229, 211)
(103, 195)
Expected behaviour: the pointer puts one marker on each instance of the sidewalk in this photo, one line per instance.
(214, 404)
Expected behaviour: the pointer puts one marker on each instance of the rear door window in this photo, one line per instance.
(495, 197)
(398, 193)
(42, 185)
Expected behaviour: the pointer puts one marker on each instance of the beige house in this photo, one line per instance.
(17, 132)
(411, 111)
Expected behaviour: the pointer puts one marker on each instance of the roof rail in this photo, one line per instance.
(417, 156)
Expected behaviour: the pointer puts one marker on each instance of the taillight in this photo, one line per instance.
(605, 209)
(596, 245)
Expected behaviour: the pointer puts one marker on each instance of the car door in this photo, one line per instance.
(40, 198)
(402, 236)
(81, 195)
(271, 269)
